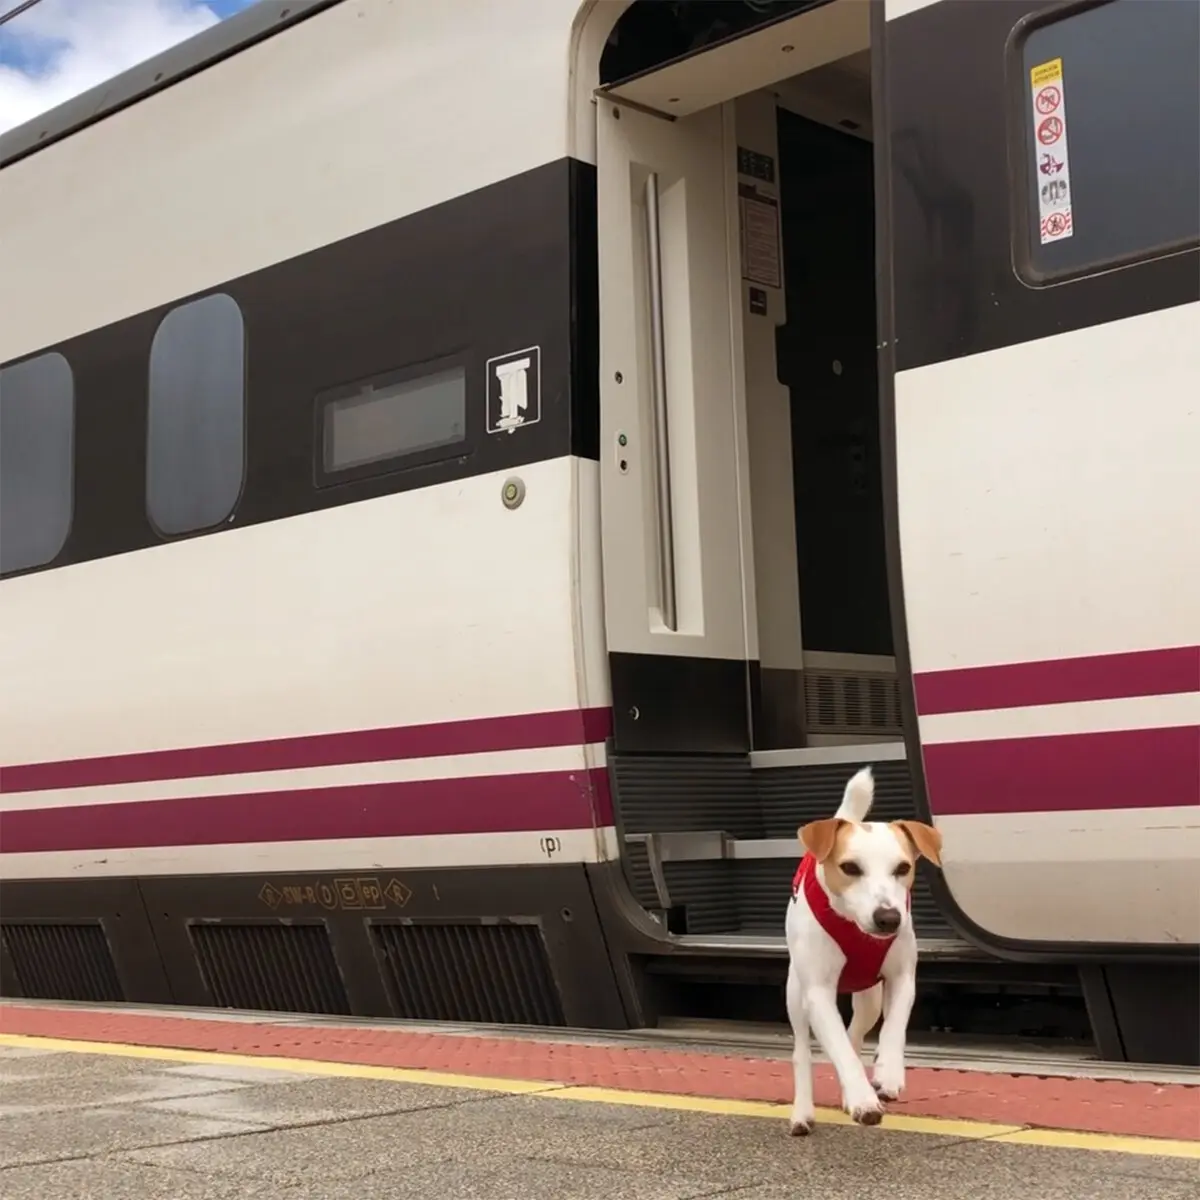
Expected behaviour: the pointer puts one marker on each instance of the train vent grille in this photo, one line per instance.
(270, 967)
(852, 702)
(488, 972)
(53, 961)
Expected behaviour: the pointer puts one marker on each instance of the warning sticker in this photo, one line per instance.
(1053, 167)
(762, 254)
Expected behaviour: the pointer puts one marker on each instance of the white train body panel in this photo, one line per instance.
(219, 175)
(1057, 481)
(412, 636)
(1074, 535)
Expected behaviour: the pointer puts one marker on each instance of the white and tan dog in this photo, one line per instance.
(849, 929)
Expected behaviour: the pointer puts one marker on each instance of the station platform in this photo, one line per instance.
(119, 1103)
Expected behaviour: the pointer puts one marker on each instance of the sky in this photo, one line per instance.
(60, 48)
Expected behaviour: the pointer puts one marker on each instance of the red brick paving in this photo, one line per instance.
(1097, 1106)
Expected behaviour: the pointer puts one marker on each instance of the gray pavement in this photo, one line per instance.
(76, 1126)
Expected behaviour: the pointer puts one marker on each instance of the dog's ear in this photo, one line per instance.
(923, 838)
(819, 837)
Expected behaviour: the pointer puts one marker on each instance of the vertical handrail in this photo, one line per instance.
(658, 376)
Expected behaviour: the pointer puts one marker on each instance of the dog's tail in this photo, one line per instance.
(858, 797)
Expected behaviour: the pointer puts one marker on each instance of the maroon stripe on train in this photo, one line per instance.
(537, 803)
(527, 731)
(1129, 768)
(1059, 681)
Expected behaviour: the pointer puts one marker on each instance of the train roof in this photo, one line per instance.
(254, 24)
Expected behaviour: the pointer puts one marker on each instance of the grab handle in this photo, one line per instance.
(658, 378)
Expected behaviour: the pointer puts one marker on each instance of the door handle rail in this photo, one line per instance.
(658, 384)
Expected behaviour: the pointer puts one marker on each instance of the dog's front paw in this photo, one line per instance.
(864, 1108)
(801, 1124)
(888, 1080)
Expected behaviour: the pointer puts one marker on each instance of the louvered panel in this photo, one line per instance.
(487, 972)
(270, 966)
(707, 892)
(792, 796)
(636, 861)
(57, 961)
(674, 793)
(850, 702)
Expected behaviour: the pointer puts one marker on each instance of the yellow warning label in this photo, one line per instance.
(1047, 72)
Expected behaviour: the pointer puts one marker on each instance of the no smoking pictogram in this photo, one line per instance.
(1050, 130)
(1047, 100)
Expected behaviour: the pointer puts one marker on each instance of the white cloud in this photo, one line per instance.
(60, 48)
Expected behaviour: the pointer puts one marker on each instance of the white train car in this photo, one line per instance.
(476, 476)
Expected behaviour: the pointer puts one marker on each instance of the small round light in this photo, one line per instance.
(512, 494)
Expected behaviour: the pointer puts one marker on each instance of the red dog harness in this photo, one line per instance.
(864, 951)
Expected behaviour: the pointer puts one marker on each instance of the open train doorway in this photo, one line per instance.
(830, 679)
(744, 496)
(743, 524)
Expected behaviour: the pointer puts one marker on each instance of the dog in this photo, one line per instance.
(849, 929)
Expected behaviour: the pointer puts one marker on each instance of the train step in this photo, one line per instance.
(710, 842)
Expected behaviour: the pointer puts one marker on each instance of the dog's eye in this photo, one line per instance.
(902, 870)
(850, 868)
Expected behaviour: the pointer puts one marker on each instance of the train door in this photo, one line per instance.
(674, 517)
(1043, 335)
(745, 571)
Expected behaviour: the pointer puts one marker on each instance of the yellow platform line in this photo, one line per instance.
(1016, 1135)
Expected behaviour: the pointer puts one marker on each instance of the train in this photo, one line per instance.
(476, 477)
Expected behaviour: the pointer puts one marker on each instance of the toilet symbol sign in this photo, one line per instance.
(514, 390)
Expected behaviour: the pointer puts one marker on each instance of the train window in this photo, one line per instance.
(196, 440)
(1111, 123)
(403, 418)
(37, 459)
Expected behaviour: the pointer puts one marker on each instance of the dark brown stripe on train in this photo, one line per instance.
(497, 270)
(1124, 676)
(1121, 769)
(480, 735)
(518, 803)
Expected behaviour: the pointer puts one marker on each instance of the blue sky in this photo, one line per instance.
(60, 48)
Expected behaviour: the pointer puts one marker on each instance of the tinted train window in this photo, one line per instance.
(196, 441)
(393, 420)
(37, 442)
(1111, 103)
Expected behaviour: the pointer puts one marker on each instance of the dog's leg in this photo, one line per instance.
(899, 994)
(867, 1007)
(858, 1096)
(803, 1118)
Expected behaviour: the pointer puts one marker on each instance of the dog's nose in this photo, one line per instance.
(886, 918)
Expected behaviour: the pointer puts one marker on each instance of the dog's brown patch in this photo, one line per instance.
(826, 841)
(918, 839)
(820, 837)
(908, 848)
